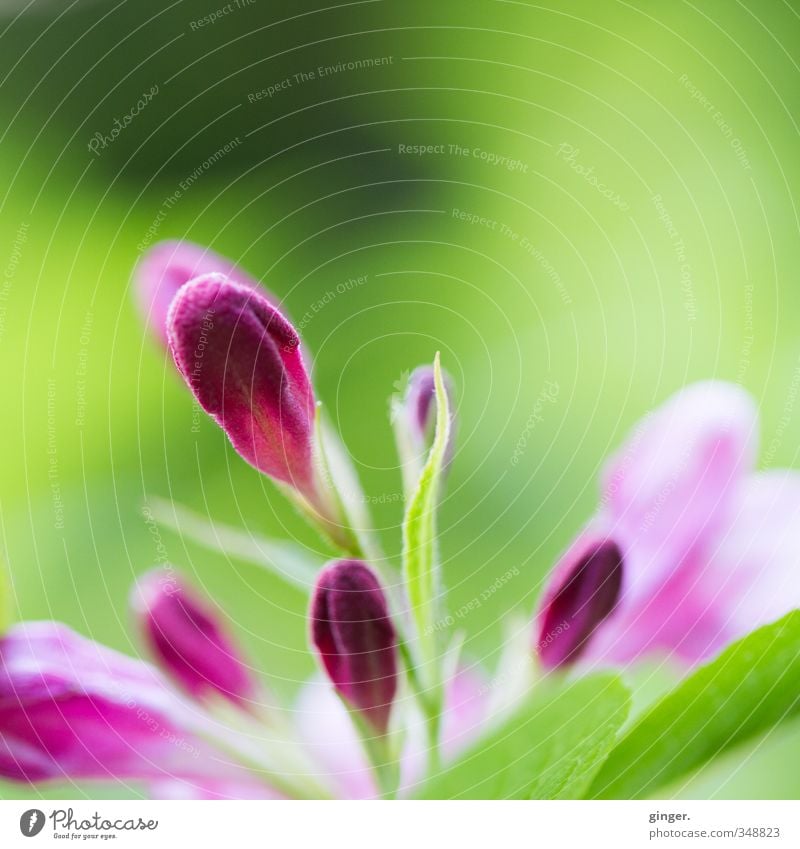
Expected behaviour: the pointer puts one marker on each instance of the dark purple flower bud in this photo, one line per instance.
(241, 358)
(583, 592)
(187, 640)
(164, 268)
(355, 638)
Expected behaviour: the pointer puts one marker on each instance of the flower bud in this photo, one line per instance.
(421, 407)
(164, 268)
(241, 358)
(583, 593)
(355, 638)
(414, 418)
(188, 642)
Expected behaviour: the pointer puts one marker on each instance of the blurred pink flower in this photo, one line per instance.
(72, 709)
(689, 548)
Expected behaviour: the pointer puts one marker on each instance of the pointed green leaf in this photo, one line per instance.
(752, 686)
(548, 749)
(420, 557)
(287, 561)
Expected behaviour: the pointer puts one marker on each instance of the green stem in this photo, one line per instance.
(433, 729)
(413, 676)
(385, 768)
(430, 702)
(378, 748)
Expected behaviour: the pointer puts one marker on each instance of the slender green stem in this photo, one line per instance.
(413, 677)
(430, 702)
(380, 752)
(385, 767)
(433, 728)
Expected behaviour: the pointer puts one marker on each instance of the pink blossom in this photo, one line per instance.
(689, 549)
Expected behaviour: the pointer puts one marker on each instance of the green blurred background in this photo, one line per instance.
(641, 233)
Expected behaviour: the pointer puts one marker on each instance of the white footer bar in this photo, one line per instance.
(402, 825)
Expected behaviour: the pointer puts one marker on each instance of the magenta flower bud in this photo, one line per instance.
(355, 638)
(241, 358)
(187, 640)
(582, 594)
(73, 709)
(164, 268)
(420, 407)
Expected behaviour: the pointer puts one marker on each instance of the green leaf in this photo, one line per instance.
(549, 749)
(352, 529)
(752, 686)
(287, 561)
(420, 556)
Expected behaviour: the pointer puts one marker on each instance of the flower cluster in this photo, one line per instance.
(688, 549)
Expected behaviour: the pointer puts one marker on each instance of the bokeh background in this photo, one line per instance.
(608, 206)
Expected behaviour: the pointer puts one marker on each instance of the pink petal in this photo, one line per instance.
(744, 578)
(466, 706)
(164, 268)
(585, 617)
(325, 727)
(753, 576)
(669, 489)
(71, 708)
(670, 494)
(677, 620)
